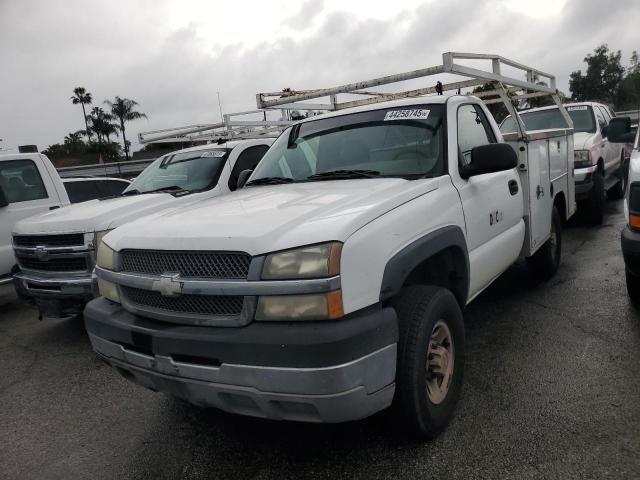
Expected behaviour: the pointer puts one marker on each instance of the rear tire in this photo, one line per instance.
(633, 287)
(593, 206)
(617, 191)
(430, 359)
(545, 262)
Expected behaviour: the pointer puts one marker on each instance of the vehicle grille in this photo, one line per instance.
(66, 240)
(193, 304)
(230, 265)
(72, 264)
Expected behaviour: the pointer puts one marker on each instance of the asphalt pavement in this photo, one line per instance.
(551, 390)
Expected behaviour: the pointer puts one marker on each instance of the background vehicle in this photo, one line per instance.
(599, 164)
(56, 250)
(335, 280)
(620, 131)
(29, 184)
(81, 189)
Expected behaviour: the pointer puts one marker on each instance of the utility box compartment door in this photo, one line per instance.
(540, 197)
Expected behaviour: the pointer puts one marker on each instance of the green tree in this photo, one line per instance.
(602, 78)
(123, 110)
(82, 97)
(101, 124)
(628, 94)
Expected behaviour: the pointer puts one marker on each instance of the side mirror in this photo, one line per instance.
(242, 178)
(619, 130)
(493, 157)
(3, 199)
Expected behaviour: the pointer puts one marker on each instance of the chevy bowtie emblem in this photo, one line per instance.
(41, 252)
(169, 285)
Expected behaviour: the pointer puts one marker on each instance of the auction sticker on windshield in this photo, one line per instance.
(572, 109)
(418, 114)
(213, 153)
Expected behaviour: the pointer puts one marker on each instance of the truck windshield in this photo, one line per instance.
(192, 171)
(395, 142)
(582, 116)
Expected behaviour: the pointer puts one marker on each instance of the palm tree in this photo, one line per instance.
(82, 97)
(101, 124)
(123, 109)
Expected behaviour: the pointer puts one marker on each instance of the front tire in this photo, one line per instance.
(546, 261)
(430, 359)
(617, 191)
(633, 287)
(595, 204)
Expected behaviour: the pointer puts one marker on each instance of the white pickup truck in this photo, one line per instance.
(29, 185)
(333, 283)
(56, 250)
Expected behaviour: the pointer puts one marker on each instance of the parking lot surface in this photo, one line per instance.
(551, 390)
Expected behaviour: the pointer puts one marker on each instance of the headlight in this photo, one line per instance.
(108, 290)
(106, 257)
(317, 261)
(320, 306)
(98, 237)
(581, 158)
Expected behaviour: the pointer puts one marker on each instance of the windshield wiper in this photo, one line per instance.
(170, 188)
(270, 181)
(344, 174)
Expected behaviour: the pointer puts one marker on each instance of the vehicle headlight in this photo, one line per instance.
(581, 158)
(106, 257)
(316, 261)
(321, 306)
(108, 290)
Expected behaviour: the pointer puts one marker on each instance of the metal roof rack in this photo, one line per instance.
(231, 128)
(507, 88)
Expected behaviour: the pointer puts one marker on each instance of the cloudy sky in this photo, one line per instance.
(173, 56)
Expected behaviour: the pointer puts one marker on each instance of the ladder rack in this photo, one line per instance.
(507, 88)
(231, 128)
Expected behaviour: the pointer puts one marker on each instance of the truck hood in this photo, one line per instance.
(583, 140)
(263, 219)
(94, 215)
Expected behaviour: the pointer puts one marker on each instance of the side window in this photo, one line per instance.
(247, 160)
(110, 188)
(81, 191)
(473, 130)
(21, 181)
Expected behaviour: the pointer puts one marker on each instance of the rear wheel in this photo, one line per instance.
(593, 206)
(633, 286)
(545, 262)
(430, 359)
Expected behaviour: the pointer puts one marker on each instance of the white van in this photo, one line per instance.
(29, 184)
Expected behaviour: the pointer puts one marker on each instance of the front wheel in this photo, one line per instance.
(430, 359)
(633, 287)
(593, 207)
(617, 191)
(546, 261)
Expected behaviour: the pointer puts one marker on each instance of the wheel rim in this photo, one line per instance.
(440, 360)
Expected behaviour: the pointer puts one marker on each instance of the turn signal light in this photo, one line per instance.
(634, 221)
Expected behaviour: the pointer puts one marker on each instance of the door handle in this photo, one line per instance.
(513, 187)
(539, 191)
(54, 207)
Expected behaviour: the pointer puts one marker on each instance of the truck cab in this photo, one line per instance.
(599, 164)
(56, 250)
(29, 185)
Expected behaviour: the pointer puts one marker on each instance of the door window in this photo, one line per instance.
(473, 130)
(600, 117)
(21, 181)
(247, 160)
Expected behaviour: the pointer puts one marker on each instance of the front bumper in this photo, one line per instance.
(631, 250)
(56, 295)
(333, 371)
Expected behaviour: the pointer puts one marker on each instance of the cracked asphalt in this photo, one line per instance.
(551, 390)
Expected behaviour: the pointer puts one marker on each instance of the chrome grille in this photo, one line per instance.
(66, 240)
(54, 264)
(222, 305)
(229, 265)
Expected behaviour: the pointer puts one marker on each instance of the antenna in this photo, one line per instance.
(220, 106)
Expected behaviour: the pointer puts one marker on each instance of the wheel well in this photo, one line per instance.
(601, 166)
(447, 269)
(561, 204)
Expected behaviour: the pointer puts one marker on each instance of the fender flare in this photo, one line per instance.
(406, 260)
